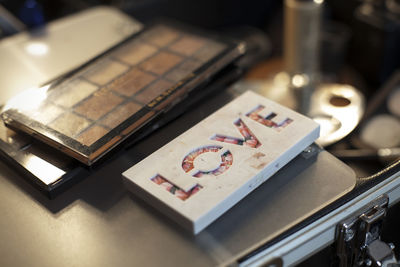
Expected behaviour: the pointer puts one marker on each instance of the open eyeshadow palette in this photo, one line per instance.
(53, 172)
(88, 113)
(205, 171)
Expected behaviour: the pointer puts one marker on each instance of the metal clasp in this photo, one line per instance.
(359, 236)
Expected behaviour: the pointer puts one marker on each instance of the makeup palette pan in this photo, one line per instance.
(88, 113)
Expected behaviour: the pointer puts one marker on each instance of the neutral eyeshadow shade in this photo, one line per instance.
(209, 51)
(98, 105)
(120, 114)
(132, 82)
(187, 45)
(153, 91)
(70, 124)
(160, 36)
(74, 93)
(91, 135)
(135, 53)
(161, 63)
(183, 70)
(105, 72)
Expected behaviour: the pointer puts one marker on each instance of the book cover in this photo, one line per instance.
(202, 173)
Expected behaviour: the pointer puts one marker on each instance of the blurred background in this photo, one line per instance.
(372, 26)
(360, 47)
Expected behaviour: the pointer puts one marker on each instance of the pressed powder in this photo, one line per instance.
(91, 111)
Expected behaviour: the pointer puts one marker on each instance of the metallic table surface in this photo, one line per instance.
(99, 223)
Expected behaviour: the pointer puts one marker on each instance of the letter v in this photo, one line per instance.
(249, 138)
(267, 121)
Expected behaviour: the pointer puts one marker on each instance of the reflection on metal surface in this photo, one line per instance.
(328, 124)
(338, 108)
(48, 169)
(40, 168)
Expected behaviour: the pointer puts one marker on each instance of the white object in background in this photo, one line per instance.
(205, 171)
(338, 108)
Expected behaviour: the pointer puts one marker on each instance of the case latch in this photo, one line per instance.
(359, 236)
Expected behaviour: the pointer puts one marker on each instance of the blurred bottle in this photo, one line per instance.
(31, 13)
(302, 29)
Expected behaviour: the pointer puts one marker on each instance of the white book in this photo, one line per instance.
(202, 173)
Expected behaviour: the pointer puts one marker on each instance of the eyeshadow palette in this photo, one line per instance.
(46, 168)
(205, 171)
(52, 172)
(90, 112)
